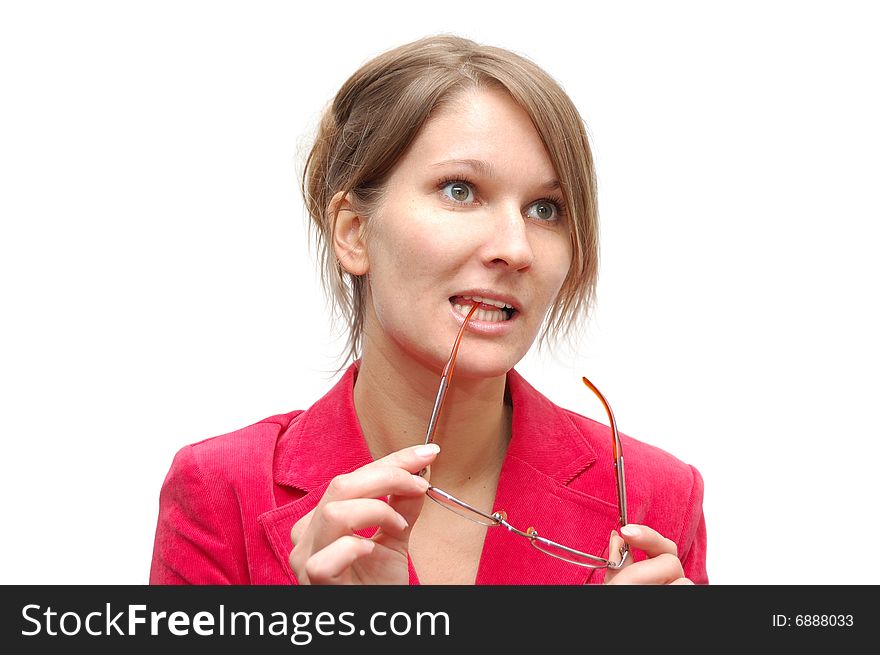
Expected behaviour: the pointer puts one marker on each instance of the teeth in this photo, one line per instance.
(488, 301)
(487, 315)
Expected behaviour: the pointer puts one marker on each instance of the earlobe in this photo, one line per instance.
(348, 235)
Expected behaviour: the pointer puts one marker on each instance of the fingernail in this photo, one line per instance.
(421, 482)
(427, 450)
(630, 531)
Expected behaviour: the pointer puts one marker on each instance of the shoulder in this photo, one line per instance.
(663, 492)
(245, 439)
(236, 456)
(207, 528)
(592, 441)
(646, 464)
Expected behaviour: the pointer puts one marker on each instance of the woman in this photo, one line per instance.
(449, 183)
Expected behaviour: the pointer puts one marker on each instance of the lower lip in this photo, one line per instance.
(484, 327)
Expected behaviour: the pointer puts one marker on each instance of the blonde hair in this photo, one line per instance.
(377, 114)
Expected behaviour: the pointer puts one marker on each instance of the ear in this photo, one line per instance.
(348, 235)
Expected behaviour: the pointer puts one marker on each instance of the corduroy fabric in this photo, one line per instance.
(228, 503)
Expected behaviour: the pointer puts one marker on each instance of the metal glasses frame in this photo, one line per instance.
(499, 517)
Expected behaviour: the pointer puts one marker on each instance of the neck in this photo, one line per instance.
(394, 396)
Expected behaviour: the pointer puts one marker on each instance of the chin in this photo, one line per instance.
(483, 367)
(476, 359)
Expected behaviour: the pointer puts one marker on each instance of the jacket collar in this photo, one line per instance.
(326, 440)
(546, 453)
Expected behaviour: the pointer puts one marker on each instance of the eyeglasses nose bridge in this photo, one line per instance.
(501, 517)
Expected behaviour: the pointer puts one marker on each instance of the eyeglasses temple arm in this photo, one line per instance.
(621, 489)
(438, 402)
(446, 378)
(618, 454)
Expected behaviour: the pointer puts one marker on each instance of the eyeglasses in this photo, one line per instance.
(499, 517)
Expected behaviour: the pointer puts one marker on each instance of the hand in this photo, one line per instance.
(662, 565)
(325, 548)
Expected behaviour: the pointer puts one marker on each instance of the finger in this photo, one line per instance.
(300, 551)
(410, 508)
(412, 459)
(298, 531)
(662, 569)
(682, 581)
(650, 541)
(339, 518)
(331, 564)
(374, 482)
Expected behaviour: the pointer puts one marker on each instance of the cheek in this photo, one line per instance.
(406, 260)
(558, 257)
(414, 244)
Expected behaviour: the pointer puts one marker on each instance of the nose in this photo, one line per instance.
(508, 243)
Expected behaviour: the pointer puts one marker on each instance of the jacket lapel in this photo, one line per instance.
(547, 453)
(321, 443)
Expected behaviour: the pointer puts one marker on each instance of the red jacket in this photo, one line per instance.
(228, 503)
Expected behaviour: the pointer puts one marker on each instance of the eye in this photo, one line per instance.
(545, 210)
(458, 191)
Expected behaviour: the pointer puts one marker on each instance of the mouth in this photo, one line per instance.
(490, 310)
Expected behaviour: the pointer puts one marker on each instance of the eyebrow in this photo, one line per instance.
(486, 169)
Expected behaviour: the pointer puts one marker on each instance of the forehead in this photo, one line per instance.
(483, 125)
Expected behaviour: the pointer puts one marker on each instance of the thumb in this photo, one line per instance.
(615, 554)
(410, 508)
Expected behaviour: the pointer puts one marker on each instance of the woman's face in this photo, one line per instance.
(473, 212)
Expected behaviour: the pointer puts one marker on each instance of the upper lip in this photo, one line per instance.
(507, 299)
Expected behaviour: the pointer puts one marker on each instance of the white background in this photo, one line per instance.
(157, 286)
